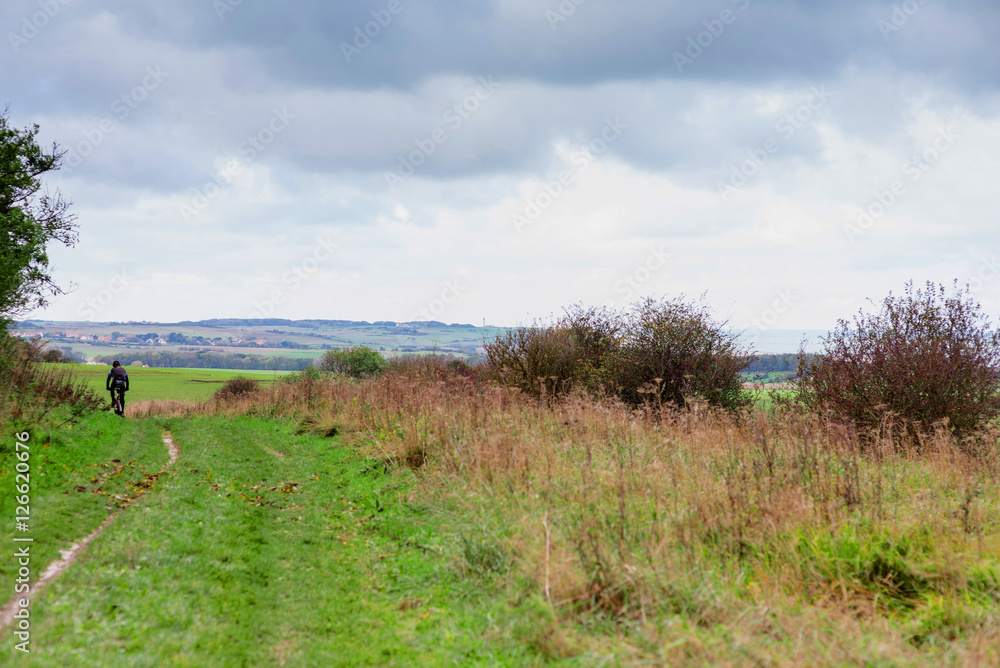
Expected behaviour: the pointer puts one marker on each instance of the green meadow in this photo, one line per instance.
(167, 384)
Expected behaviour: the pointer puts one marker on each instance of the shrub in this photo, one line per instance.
(596, 334)
(924, 358)
(673, 350)
(433, 367)
(535, 360)
(663, 351)
(237, 387)
(310, 373)
(462, 369)
(355, 362)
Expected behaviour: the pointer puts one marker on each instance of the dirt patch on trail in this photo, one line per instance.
(67, 557)
(172, 449)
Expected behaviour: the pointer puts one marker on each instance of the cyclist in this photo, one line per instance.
(118, 383)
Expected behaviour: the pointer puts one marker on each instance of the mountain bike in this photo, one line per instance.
(118, 400)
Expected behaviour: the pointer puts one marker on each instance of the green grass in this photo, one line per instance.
(767, 395)
(242, 557)
(166, 384)
(63, 461)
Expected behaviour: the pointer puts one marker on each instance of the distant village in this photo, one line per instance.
(174, 339)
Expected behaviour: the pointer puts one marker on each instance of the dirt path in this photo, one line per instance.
(277, 454)
(67, 557)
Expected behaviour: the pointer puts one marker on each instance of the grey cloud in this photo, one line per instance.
(602, 40)
(604, 60)
(605, 40)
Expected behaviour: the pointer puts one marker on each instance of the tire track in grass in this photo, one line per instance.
(67, 557)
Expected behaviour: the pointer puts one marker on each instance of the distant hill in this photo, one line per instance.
(264, 322)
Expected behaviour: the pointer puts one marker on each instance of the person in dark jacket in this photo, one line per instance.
(117, 379)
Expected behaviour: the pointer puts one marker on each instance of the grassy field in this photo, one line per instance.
(259, 548)
(167, 384)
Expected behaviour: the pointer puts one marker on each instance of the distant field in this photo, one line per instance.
(99, 350)
(167, 384)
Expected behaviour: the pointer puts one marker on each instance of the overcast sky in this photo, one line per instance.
(465, 160)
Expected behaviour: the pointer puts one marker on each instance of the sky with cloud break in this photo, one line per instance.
(498, 160)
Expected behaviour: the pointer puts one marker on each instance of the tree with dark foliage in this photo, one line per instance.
(29, 219)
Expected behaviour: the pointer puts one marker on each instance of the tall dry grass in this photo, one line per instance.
(31, 393)
(147, 408)
(691, 535)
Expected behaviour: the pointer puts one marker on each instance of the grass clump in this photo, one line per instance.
(484, 556)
